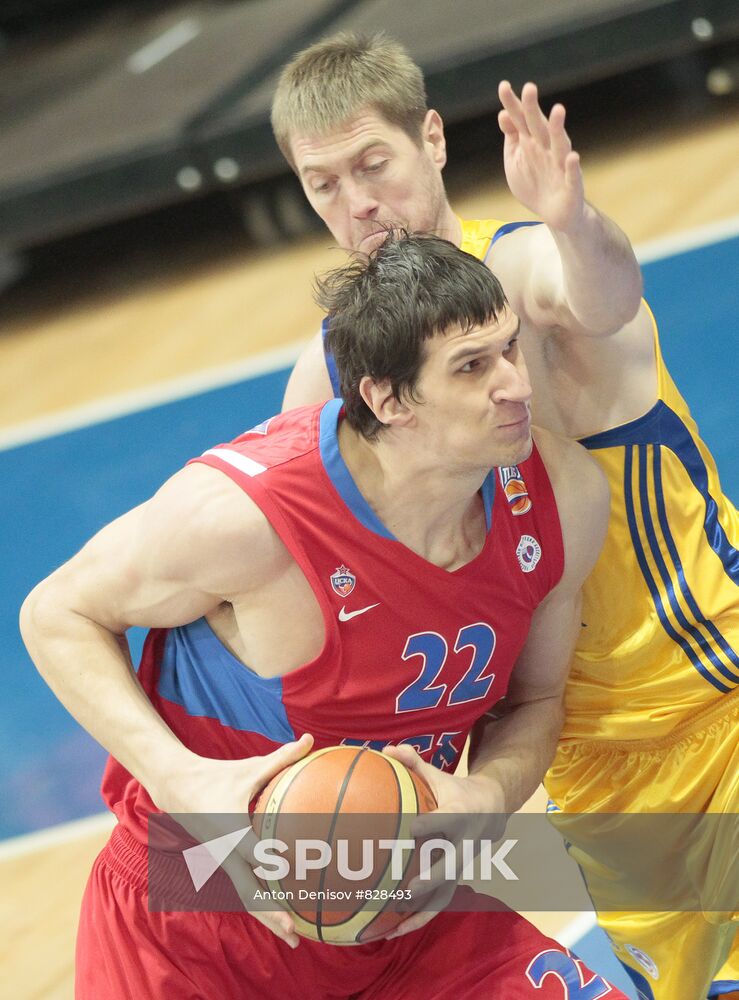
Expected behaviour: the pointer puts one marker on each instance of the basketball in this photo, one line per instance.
(339, 800)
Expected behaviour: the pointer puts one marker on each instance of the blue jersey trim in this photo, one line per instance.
(345, 486)
(651, 584)
(691, 630)
(662, 426)
(199, 674)
(677, 437)
(340, 476)
(720, 987)
(643, 989)
(680, 572)
(333, 372)
(643, 430)
(509, 227)
(487, 492)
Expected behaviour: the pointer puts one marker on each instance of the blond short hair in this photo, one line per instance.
(328, 83)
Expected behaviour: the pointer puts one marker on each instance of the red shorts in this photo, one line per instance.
(124, 951)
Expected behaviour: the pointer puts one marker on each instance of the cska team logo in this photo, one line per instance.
(343, 581)
(515, 489)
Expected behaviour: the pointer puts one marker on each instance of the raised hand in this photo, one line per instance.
(542, 170)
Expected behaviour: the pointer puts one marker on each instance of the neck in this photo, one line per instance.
(436, 512)
(449, 226)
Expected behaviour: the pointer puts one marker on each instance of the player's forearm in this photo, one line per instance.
(515, 751)
(601, 278)
(88, 669)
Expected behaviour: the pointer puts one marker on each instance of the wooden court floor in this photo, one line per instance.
(135, 317)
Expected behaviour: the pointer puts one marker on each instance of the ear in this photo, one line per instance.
(432, 133)
(380, 399)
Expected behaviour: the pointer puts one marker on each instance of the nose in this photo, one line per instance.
(362, 204)
(512, 383)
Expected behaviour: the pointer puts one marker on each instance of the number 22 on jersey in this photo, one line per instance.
(432, 648)
(568, 970)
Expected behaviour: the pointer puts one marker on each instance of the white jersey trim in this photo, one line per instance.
(241, 462)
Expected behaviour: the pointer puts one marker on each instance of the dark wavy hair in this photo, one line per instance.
(381, 309)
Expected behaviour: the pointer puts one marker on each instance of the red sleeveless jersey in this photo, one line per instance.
(413, 653)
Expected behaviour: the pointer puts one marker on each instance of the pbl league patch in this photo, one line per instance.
(515, 489)
(343, 581)
(646, 961)
(528, 552)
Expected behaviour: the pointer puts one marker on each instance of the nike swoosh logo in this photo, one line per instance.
(345, 616)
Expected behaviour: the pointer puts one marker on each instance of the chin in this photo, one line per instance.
(521, 452)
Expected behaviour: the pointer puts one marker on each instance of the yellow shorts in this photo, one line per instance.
(694, 770)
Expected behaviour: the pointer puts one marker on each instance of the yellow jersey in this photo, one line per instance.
(660, 636)
(478, 235)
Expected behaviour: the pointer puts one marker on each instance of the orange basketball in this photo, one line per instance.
(330, 814)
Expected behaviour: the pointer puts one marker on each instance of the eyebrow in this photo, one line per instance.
(470, 352)
(321, 169)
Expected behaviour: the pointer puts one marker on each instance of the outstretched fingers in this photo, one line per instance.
(560, 141)
(507, 126)
(513, 109)
(536, 120)
(523, 116)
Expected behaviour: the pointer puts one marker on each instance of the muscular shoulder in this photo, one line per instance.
(583, 501)
(201, 526)
(511, 260)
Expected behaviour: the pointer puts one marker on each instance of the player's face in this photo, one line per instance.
(475, 395)
(369, 173)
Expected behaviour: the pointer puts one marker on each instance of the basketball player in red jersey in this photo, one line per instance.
(358, 575)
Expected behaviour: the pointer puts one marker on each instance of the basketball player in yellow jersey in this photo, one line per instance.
(652, 704)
